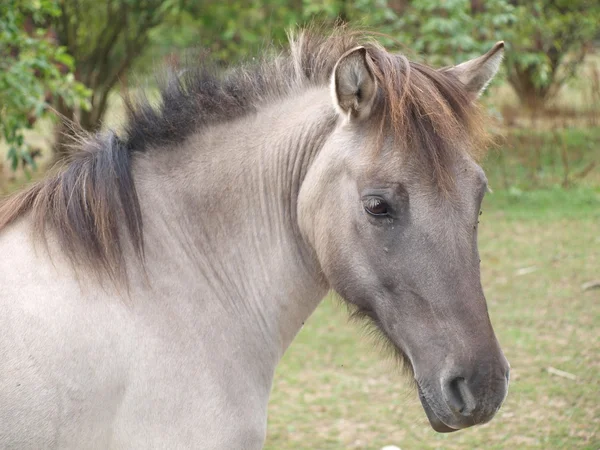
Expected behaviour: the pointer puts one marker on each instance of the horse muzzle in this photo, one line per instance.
(461, 402)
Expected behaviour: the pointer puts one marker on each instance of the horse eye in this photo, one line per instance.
(376, 207)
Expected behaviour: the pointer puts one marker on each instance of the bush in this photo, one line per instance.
(33, 70)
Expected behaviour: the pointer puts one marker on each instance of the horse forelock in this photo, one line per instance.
(428, 113)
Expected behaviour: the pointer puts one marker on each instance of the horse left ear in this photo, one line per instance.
(353, 86)
(477, 73)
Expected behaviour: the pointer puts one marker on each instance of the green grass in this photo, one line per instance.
(538, 246)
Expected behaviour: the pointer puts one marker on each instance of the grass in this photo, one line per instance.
(538, 246)
(528, 159)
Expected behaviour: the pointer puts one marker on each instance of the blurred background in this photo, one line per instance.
(540, 228)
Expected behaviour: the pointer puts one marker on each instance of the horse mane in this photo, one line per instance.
(85, 205)
(88, 202)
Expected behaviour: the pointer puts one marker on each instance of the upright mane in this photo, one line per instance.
(88, 202)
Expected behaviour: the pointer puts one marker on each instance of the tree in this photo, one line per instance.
(33, 70)
(550, 40)
(104, 38)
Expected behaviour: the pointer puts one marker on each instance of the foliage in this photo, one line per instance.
(32, 69)
(546, 39)
(448, 32)
(550, 40)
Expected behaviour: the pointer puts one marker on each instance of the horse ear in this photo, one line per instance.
(353, 85)
(477, 73)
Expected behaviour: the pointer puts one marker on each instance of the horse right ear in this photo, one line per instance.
(353, 86)
(477, 73)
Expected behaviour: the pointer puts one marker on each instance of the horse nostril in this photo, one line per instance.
(458, 396)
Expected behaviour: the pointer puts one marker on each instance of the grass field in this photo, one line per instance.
(538, 246)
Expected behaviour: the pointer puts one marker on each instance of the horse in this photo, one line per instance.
(150, 287)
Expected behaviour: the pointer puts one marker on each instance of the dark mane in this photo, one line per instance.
(85, 204)
(203, 94)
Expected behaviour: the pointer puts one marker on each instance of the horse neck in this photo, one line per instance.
(223, 208)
